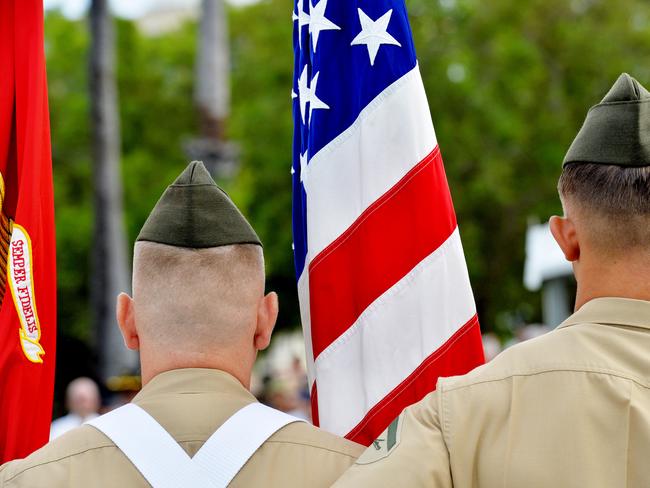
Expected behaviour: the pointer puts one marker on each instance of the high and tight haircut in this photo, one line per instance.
(614, 200)
(196, 295)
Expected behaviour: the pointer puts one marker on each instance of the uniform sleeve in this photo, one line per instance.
(5, 474)
(411, 452)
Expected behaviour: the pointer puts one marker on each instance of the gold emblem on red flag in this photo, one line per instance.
(22, 288)
(17, 265)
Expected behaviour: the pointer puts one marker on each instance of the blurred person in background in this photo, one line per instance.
(199, 315)
(491, 346)
(82, 401)
(570, 408)
(287, 390)
(285, 397)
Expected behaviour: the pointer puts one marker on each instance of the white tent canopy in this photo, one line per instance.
(544, 259)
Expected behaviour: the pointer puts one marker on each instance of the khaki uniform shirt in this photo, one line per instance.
(190, 404)
(568, 409)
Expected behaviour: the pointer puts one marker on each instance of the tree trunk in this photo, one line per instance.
(213, 69)
(110, 269)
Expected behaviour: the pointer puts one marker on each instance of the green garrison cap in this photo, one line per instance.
(194, 212)
(617, 130)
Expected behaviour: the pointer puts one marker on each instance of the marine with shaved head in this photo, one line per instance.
(198, 317)
(570, 408)
(219, 291)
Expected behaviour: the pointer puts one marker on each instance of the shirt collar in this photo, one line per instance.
(612, 311)
(193, 380)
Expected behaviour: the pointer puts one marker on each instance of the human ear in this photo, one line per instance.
(124, 312)
(564, 232)
(267, 314)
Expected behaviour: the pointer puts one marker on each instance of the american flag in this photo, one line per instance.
(385, 298)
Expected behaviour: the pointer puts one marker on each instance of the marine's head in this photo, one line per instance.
(605, 191)
(198, 284)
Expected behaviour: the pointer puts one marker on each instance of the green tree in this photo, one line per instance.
(66, 46)
(529, 73)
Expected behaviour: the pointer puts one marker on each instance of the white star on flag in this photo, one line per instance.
(303, 166)
(307, 93)
(315, 102)
(303, 19)
(303, 92)
(319, 22)
(374, 33)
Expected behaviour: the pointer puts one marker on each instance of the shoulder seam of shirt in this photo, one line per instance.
(298, 443)
(280, 441)
(443, 418)
(76, 453)
(603, 371)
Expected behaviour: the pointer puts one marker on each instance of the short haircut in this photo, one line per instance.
(614, 202)
(195, 299)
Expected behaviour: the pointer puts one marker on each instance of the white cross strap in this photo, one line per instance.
(155, 453)
(164, 463)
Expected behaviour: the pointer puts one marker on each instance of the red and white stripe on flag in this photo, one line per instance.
(386, 302)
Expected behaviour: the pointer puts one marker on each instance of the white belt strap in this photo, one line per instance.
(164, 463)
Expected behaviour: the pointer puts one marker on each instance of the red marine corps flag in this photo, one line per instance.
(385, 297)
(27, 246)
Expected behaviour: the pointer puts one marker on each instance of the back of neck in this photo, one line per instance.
(629, 278)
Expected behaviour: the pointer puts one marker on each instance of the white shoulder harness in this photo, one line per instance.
(164, 463)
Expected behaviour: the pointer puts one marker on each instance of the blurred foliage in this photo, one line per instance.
(508, 85)
(155, 77)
